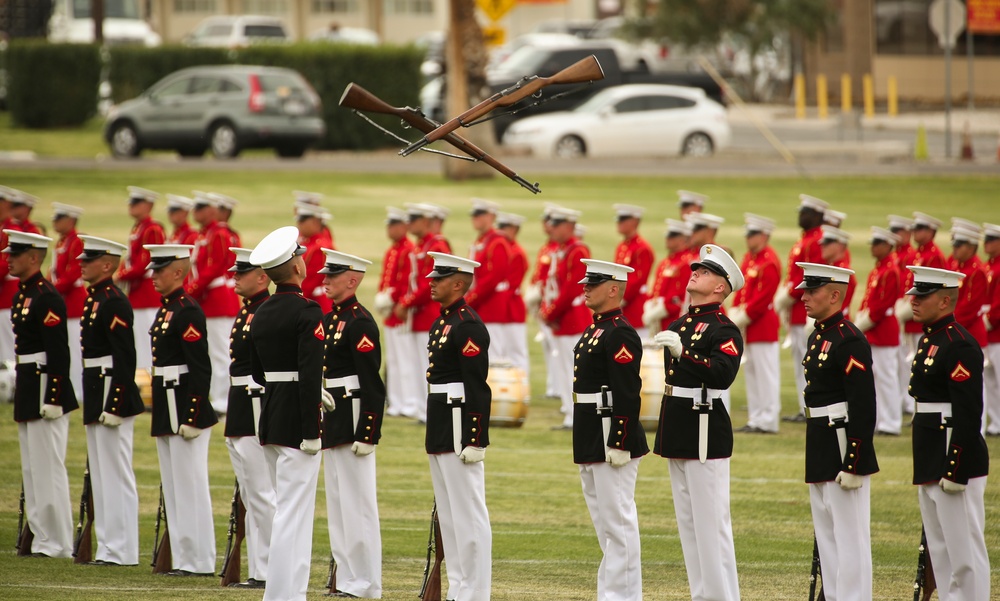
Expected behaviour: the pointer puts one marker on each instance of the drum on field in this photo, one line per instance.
(510, 395)
(145, 384)
(651, 372)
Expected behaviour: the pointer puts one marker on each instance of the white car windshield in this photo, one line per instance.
(113, 9)
(595, 103)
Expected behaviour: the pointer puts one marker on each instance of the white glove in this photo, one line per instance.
(951, 487)
(110, 420)
(849, 481)
(810, 324)
(671, 340)
(362, 448)
(383, 302)
(472, 454)
(311, 446)
(864, 321)
(328, 402)
(986, 320)
(189, 432)
(904, 312)
(51, 412)
(783, 301)
(653, 311)
(533, 296)
(618, 458)
(739, 317)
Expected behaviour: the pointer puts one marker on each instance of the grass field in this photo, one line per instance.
(544, 544)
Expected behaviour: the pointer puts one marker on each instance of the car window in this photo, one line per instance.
(657, 103)
(264, 31)
(226, 86)
(271, 82)
(177, 87)
(205, 85)
(631, 105)
(216, 31)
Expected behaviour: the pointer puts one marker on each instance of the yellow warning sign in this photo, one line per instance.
(494, 36)
(495, 9)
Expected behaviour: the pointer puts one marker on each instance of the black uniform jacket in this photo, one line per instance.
(106, 331)
(287, 336)
(838, 369)
(608, 354)
(948, 368)
(39, 316)
(179, 337)
(239, 412)
(710, 359)
(458, 350)
(353, 348)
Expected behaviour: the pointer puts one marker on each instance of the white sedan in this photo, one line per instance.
(627, 120)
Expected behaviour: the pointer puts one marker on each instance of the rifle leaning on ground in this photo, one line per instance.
(237, 532)
(359, 99)
(83, 547)
(430, 590)
(815, 575)
(331, 577)
(162, 558)
(586, 70)
(24, 534)
(924, 584)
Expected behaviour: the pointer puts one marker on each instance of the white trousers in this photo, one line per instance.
(908, 344)
(889, 401)
(763, 380)
(562, 370)
(610, 496)
(219, 331)
(75, 356)
(954, 524)
(294, 475)
(6, 335)
(460, 494)
(547, 348)
(701, 503)
(116, 499)
(798, 335)
(991, 380)
(257, 492)
(401, 372)
(420, 360)
(46, 485)
(184, 477)
(498, 347)
(841, 519)
(515, 344)
(142, 321)
(352, 519)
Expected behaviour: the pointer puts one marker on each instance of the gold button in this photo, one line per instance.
(473, 440)
(854, 444)
(368, 427)
(619, 432)
(618, 444)
(475, 419)
(473, 429)
(366, 438)
(671, 372)
(949, 473)
(370, 418)
(952, 463)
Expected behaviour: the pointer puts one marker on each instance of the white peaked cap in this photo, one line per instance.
(965, 223)
(277, 248)
(23, 198)
(18, 242)
(625, 210)
(338, 262)
(205, 198)
(94, 247)
(445, 265)
(161, 255)
(8, 193)
(308, 197)
(817, 274)
(242, 263)
(677, 226)
(504, 219)
(811, 202)
(704, 219)
(687, 197)
(481, 205)
(926, 220)
(579, 231)
(900, 222)
(758, 223)
(603, 271)
(440, 212)
(991, 230)
(834, 234)
(60, 209)
(717, 260)
(137, 193)
(929, 279)
(223, 201)
(834, 217)
(175, 201)
(547, 209)
(394, 214)
(966, 234)
(308, 209)
(420, 209)
(880, 234)
(564, 214)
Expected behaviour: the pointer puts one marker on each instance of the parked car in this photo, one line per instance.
(337, 34)
(123, 23)
(627, 120)
(238, 31)
(225, 108)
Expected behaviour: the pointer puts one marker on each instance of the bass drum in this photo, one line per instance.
(145, 384)
(651, 372)
(7, 377)
(510, 395)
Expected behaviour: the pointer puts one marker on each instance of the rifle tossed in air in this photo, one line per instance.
(359, 99)
(83, 547)
(162, 558)
(237, 532)
(430, 590)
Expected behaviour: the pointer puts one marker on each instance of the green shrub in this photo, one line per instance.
(132, 69)
(52, 85)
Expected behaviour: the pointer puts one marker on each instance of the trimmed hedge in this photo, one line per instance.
(132, 69)
(52, 85)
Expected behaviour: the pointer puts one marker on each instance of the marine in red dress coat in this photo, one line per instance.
(667, 295)
(490, 292)
(132, 273)
(635, 252)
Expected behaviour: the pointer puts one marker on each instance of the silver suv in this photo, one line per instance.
(224, 108)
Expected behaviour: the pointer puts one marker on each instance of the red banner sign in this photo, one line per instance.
(984, 16)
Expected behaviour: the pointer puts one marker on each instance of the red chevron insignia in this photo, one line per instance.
(51, 319)
(365, 345)
(471, 349)
(729, 348)
(623, 356)
(191, 334)
(960, 374)
(852, 364)
(117, 321)
(318, 332)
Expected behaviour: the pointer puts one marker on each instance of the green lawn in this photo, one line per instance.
(544, 545)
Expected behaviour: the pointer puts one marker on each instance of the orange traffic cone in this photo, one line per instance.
(967, 154)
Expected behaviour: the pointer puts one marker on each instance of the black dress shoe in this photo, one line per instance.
(748, 429)
(101, 562)
(561, 427)
(797, 418)
(250, 583)
(187, 573)
(341, 594)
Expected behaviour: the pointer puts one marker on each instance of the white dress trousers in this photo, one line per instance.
(841, 521)
(420, 361)
(551, 383)
(498, 346)
(991, 381)
(955, 526)
(889, 400)
(46, 485)
(701, 503)
(460, 494)
(763, 382)
(257, 492)
(6, 336)
(515, 342)
(562, 367)
(142, 321)
(184, 477)
(294, 475)
(352, 519)
(116, 499)
(219, 331)
(75, 355)
(610, 496)
(797, 334)
(401, 372)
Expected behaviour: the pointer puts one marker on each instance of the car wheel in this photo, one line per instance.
(570, 147)
(224, 141)
(290, 151)
(698, 145)
(191, 151)
(125, 141)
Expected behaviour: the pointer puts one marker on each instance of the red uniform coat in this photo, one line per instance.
(542, 262)
(8, 283)
(312, 284)
(562, 299)
(424, 311)
(993, 299)
(133, 273)
(490, 294)
(670, 283)
(396, 274)
(928, 255)
(185, 234)
(884, 285)
(763, 276)
(66, 274)
(637, 254)
(903, 256)
(208, 283)
(852, 284)
(806, 250)
(516, 270)
(973, 294)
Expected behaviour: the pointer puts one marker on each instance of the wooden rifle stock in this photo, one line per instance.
(237, 532)
(162, 559)
(83, 546)
(431, 589)
(24, 534)
(357, 98)
(924, 585)
(331, 577)
(588, 69)
(815, 575)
